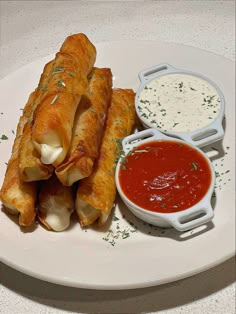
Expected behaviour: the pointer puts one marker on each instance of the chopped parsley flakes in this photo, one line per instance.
(4, 137)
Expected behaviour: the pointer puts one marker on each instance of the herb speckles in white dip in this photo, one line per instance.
(179, 103)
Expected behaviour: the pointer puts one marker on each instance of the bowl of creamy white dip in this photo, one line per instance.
(180, 103)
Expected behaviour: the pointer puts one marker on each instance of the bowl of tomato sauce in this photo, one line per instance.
(165, 181)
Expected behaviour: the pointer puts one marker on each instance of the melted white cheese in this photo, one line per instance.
(58, 217)
(49, 153)
(179, 103)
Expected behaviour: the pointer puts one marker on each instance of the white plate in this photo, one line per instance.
(124, 258)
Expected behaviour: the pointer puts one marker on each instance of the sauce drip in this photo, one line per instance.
(165, 176)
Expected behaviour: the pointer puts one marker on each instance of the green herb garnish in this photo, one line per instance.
(181, 85)
(91, 110)
(58, 70)
(70, 74)
(61, 83)
(4, 137)
(175, 124)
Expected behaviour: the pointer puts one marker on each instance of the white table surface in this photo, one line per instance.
(33, 29)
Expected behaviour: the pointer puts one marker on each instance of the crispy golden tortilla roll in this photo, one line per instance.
(88, 128)
(56, 203)
(79, 46)
(54, 117)
(17, 196)
(96, 194)
(30, 166)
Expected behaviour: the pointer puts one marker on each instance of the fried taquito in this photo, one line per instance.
(96, 194)
(54, 118)
(19, 197)
(30, 165)
(56, 203)
(88, 128)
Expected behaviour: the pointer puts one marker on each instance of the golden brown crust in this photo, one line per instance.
(19, 197)
(96, 194)
(30, 166)
(53, 119)
(88, 127)
(79, 46)
(53, 125)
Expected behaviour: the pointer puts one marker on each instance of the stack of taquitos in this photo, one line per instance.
(55, 199)
(60, 130)
(63, 81)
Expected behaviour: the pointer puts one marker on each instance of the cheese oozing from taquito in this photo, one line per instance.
(18, 197)
(96, 194)
(30, 166)
(88, 128)
(54, 117)
(56, 204)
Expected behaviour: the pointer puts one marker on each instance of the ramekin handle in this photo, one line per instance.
(131, 141)
(183, 222)
(205, 137)
(148, 73)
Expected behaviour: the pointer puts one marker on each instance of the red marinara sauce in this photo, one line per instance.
(164, 176)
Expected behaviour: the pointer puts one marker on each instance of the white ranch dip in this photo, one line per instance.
(179, 103)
